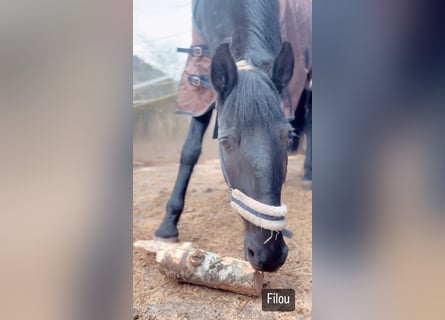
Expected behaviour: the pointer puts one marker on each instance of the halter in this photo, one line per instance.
(244, 65)
(262, 215)
(265, 216)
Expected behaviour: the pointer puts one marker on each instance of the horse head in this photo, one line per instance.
(253, 135)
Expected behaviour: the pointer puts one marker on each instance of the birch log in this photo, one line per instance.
(189, 264)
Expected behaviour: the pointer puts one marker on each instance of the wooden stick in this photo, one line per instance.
(189, 264)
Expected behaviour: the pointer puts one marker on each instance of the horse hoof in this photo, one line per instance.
(169, 240)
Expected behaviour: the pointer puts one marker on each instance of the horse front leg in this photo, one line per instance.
(190, 153)
(298, 123)
(307, 178)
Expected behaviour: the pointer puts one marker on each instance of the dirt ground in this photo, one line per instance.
(209, 222)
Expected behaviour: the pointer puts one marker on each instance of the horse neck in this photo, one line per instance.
(252, 26)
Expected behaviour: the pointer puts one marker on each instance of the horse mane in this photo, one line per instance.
(263, 34)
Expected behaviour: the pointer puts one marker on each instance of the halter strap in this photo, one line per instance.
(262, 215)
(244, 65)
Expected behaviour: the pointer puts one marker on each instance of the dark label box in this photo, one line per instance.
(278, 299)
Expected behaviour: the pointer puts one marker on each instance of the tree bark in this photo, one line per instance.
(189, 264)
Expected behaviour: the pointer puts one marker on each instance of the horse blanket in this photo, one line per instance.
(196, 96)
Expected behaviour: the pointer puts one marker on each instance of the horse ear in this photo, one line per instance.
(223, 71)
(283, 67)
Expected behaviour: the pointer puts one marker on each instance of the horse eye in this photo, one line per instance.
(229, 142)
(225, 143)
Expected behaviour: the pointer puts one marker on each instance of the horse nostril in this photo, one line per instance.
(251, 253)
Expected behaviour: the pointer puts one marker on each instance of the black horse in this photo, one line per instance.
(250, 68)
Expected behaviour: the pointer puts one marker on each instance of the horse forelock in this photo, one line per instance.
(254, 101)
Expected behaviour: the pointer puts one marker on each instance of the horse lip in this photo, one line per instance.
(256, 266)
(263, 267)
